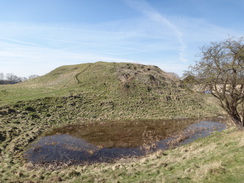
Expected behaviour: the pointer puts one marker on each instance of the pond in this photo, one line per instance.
(108, 142)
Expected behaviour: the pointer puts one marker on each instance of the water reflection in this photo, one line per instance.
(191, 133)
(68, 149)
(65, 148)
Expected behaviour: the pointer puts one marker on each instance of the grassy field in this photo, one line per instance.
(217, 158)
(102, 92)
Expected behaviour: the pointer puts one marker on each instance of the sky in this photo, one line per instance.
(37, 36)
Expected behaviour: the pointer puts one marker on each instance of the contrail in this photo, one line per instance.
(17, 41)
(143, 7)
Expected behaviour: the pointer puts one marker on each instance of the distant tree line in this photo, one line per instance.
(13, 79)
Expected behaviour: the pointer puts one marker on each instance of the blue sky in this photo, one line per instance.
(36, 36)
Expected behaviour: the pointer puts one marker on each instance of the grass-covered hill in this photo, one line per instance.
(86, 93)
(106, 91)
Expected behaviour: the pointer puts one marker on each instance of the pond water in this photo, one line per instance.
(88, 145)
(191, 133)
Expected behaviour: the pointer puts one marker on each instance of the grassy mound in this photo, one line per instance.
(93, 92)
(107, 91)
(87, 93)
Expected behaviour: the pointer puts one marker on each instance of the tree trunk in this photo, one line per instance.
(233, 113)
(237, 120)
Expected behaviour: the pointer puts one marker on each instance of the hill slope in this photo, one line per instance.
(109, 91)
(93, 92)
(88, 92)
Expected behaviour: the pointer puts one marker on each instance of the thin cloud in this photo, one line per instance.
(169, 42)
(143, 7)
(17, 58)
(5, 39)
(118, 42)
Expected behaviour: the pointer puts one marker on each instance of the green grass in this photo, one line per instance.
(112, 92)
(218, 158)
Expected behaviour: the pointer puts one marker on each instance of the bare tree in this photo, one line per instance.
(10, 78)
(33, 76)
(1, 76)
(13, 78)
(23, 79)
(221, 69)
